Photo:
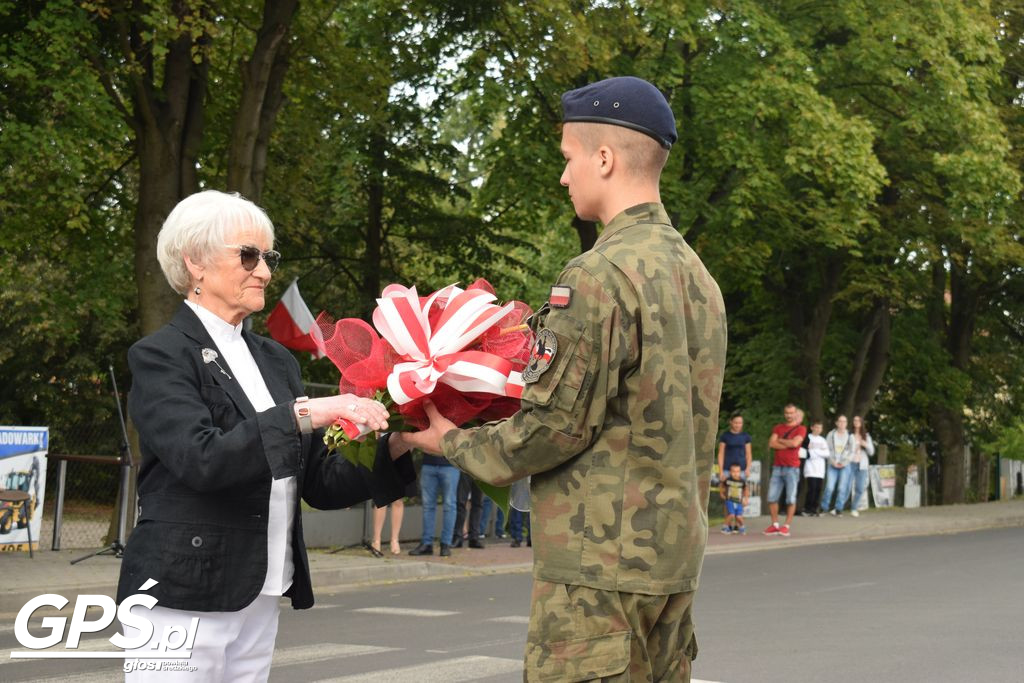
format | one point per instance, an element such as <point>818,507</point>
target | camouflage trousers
<point>583,634</point>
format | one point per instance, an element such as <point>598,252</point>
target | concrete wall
<point>334,528</point>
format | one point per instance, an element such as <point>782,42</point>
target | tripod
<point>116,548</point>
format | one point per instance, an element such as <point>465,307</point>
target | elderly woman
<point>229,445</point>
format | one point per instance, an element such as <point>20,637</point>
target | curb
<point>951,527</point>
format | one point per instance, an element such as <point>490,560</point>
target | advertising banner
<point>883,485</point>
<point>22,485</point>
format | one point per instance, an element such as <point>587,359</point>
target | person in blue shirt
<point>734,448</point>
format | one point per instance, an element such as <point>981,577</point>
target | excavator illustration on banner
<point>20,514</point>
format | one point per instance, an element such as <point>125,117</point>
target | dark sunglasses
<point>251,256</point>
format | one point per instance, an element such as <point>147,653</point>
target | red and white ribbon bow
<point>439,355</point>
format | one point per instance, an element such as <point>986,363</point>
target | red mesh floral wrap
<point>455,347</point>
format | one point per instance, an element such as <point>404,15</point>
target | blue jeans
<point>517,521</point>
<point>838,477</point>
<point>499,517</point>
<point>783,476</point>
<point>435,478</point>
<point>860,480</point>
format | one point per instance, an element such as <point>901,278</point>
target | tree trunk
<point>980,471</point>
<point>808,324</point>
<point>168,122</point>
<point>869,363</point>
<point>947,419</point>
<point>949,431</point>
<point>374,237</point>
<point>261,98</point>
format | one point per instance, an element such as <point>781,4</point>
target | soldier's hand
<point>429,440</point>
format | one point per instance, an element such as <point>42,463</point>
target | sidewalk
<point>51,572</point>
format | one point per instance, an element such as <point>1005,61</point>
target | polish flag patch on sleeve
<point>560,297</point>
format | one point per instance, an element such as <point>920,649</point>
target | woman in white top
<point>840,449</point>
<point>863,449</point>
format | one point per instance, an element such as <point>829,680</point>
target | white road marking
<point>449,670</point>
<point>322,652</point>
<point>512,619</point>
<point>405,612</point>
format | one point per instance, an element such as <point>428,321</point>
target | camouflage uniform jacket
<point>619,430</point>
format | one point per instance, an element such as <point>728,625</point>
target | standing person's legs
<point>250,654</point>
<point>485,516</point>
<point>860,480</point>
<point>476,507</point>
<point>431,482</point>
<point>830,487</point>
<point>775,485</point>
<point>843,487</point>
<point>462,495</point>
<point>450,476</point>
<point>578,633</point>
<point>397,513</point>
<point>379,514</point>
<point>229,646</point>
<point>791,475</point>
<point>515,526</point>
<point>813,495</point>
<point>499,522</point>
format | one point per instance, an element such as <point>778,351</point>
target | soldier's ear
<point>606,160</point>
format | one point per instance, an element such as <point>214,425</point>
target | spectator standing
<point>840,453</point>
<point>485,518</point>
<point>437,476</point>
<point>518,523</point>
<point>785,441</point>
<point>736,494</point>
<point>397,512</point>
<point>814,469</point>
<point>468,491</point>
<point>863,450</point>
<point>734,448</point>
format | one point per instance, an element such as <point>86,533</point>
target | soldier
<point>619,413</point>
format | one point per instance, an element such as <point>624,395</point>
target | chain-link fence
<point>91,457</point>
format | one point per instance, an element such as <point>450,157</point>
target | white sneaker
<point>854,513</point>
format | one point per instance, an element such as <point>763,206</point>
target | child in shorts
<point>735,493</point>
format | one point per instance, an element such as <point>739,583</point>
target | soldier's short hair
<point>641,154</point>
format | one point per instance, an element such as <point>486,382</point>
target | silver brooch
<point>210,356</point>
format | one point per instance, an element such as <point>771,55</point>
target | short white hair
<point>198,226</point>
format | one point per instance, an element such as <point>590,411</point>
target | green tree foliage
<point>848,170</point>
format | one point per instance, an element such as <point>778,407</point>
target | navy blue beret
<point>623,101</point>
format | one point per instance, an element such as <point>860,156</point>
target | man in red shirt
<point>785,441</point>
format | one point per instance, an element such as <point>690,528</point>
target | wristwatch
<point>302,411</point>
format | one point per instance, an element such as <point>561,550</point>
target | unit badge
<point>543,353</point>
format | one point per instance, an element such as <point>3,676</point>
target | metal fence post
<point>58,514</point>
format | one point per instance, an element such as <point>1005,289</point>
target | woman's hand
<point>363,411</point>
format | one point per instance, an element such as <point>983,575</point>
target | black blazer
<point>208,459</point>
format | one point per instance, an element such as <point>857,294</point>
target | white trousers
<point>228,646</point>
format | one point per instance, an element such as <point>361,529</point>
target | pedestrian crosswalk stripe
<point>97,677</point>
<point>512,619</point>
<point>85,645</point>
<point>470,668</point>
<point>405,612</point>
<point>322,652</point>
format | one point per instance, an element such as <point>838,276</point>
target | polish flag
<point>293,325</point>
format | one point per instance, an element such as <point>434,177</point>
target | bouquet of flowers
<point>456,348</point>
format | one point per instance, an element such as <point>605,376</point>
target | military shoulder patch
<point>560,297</point>
<point>543,353</point>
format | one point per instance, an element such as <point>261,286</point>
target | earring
<point>196,290</point>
